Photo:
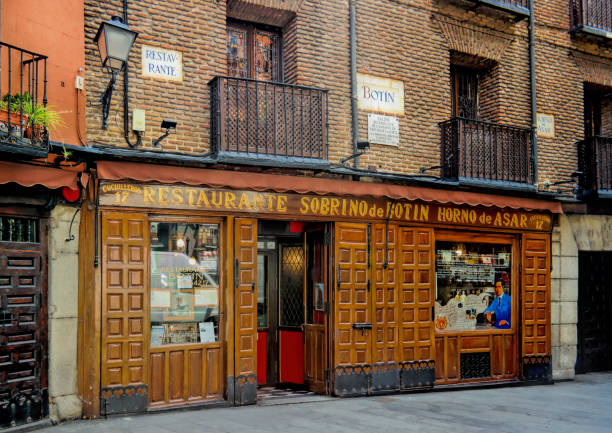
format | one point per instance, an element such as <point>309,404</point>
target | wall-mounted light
<point>168,125</point>
<point>114,40</point>
<point>362,146</point>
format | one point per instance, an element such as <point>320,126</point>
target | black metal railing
<point>484,151</point>
<point>596,14</point>
<point>259,118</point>
<point>595,163</point>
<point>23,97</point>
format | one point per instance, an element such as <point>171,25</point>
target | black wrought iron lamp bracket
<point>106,97</point>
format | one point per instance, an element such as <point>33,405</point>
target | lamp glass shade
<point>114,39</point>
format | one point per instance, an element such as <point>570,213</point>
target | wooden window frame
<point>250,29</point>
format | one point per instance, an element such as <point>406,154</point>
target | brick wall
<point>398,39</point>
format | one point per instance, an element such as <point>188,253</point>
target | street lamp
<point>114,40</point>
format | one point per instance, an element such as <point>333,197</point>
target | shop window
<point>253,51</point>
<point>473,286</point>
<point>184,283</point>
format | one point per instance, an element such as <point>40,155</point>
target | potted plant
<point>40,117</point>
<point>16,113</point>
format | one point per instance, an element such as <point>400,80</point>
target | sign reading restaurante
<point>308,205</point>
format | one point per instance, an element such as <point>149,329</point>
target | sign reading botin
<point>381,95</point>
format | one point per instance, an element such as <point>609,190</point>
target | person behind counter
<point>501,306</point>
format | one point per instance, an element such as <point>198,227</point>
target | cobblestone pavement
<point>583,405</point>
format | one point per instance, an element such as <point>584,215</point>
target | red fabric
<point>292,357</point>
<point>109,170</point>
<point>262,357</point>
<point>30,175</point>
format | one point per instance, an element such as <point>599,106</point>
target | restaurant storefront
<point>209,282</point>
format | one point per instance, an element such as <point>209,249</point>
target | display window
<point>473,286</point>
<point>184,283</point>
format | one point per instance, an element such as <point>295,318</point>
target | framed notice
<point>160,298</point>
<point>206,297</point>
<point>182,307</point>
<point>157,335</point>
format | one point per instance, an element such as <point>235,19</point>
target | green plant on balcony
<point>36,116</point>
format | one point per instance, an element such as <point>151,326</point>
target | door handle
<point>362,326</point>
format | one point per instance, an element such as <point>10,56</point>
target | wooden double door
<point>292,310</point>
<point>383,296</point>
<point>23,320</point>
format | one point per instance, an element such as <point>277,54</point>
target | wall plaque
<point>383,129</point>
<point>546,125</point>
<point>162,64</point>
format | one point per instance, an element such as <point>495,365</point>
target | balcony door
<point>253,51</point>
<point>464,92</point>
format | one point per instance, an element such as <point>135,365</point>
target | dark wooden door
<point>594,311</point>
<point>317,312</point>
<point>23,320</point>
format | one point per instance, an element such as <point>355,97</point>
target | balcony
<point>591,18</point>
<point>595,162</point>
<point>486,154</point>
<point>266,123</point>
<point>23,90</point>
<point>518,9</point>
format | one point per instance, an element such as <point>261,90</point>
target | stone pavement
<point>584,405</point>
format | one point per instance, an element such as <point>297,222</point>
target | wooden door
<point>535,311</point>
<point>23,320</point>
<point>352,309</point>
<point>384,296</point>
<point>594,308</point>
<point>125,306</point>
<point>316,312</point>
<point>416,288</point>
<point>245,292</point>
<point>416,294</point>
<point>352,306</point>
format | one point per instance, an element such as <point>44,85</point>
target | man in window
<point>501,306</point>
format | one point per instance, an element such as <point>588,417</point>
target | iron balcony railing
<point>258,118</point>
<point>474,150</point>
<point>595,163</point>
<point>23,98</point>
<point>591,15</point>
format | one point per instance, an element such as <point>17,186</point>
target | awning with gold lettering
<point>109,170</point>
<point>30,175</point>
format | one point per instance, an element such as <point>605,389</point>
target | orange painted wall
<point>55,29</point>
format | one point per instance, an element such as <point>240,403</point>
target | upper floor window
<point>253,51</point>
<point>464,92</point>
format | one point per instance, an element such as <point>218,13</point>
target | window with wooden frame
<point>464,86</point>
<point>253,51</point>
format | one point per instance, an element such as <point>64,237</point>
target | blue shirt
<point>502,307</point>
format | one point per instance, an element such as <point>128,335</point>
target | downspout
<point>534,106</point>
<point>353,49</point>
<point>126,118</point>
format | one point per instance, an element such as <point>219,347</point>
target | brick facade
<point>403,40</point>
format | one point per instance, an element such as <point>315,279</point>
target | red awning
<point>30,175</point>
<point>280,183</point>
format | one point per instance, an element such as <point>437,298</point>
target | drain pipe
<point>126,114</point>
<point>353,49</point>
<point>534,106</point>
